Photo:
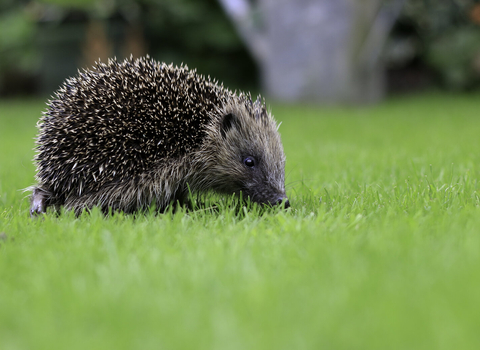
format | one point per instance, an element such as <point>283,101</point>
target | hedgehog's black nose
<point>285,202</point>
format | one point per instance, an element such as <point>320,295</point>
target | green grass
<point>381,249</point>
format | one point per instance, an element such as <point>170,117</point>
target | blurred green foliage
<point>449,36</point>
<point>199,34</point>
<point>456,55</point>
<point>15,38</point>
<point>17,54</point>
<point>194,32</point>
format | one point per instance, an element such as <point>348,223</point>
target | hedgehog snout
<point>267,189</point>
<point>265,195</point>
<point>284,201</point>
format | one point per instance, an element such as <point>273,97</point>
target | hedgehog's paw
<point>37,202</point>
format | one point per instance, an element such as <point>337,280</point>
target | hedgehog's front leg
<point>37,202</point>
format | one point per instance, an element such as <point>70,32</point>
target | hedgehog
<point>129,135</point>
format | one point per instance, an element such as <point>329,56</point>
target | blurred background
<point>320,51</point>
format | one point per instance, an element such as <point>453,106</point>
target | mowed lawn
<point>380,250</point>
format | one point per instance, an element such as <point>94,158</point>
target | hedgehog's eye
<point>249,161</point>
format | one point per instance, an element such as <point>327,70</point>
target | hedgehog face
<point>247,154</point>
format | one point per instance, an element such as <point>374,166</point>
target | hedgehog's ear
<point>229,120</point>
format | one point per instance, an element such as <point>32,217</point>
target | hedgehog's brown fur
<point>131,134</point>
